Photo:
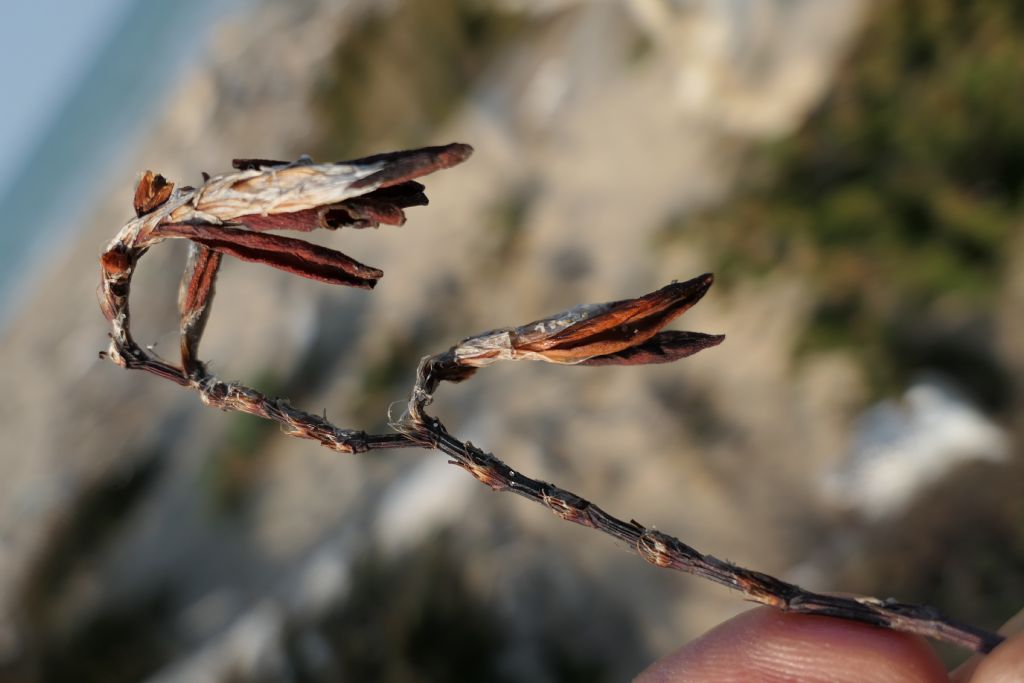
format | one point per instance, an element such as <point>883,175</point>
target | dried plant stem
<point>623,332</point>
<point>421,430</point>
<point>663,550</point>
<point>234,396</point>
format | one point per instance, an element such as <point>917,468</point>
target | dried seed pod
<point>194,298</point>
<point>284,253</point>
<point>264,187</point>
<point>663,347</point>
<point>620,332</point>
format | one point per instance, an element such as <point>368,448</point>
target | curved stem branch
<point>663,550</point>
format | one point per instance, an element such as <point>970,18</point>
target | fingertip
<point>1005,664</point>
<point>768,645</point>
<point>1014,631</point>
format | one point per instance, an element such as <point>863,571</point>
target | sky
<point>84,77</point>
<point>46,46</point>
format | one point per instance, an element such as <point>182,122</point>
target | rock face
<point>210,546</point>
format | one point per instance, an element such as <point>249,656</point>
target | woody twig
<point>233,213</point>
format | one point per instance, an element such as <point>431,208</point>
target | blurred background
<point>852,171</point>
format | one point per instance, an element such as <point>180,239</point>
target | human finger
<point>1008,658</point>
<point>767,645</point>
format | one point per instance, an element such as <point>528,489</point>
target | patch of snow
<point>902,447</point>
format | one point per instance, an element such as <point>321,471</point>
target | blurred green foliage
<point>235,465</point>
<point>506,222</point>
<point>900,191</point>
<point>385,376</point>
<point>402,70</point>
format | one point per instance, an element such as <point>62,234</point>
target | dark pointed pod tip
<point>400,167</point>
<point>664,347</point>
<point>690,291</point>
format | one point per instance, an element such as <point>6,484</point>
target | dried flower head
<point>231,213</point>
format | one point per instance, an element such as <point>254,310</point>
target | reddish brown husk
<point>663,347</point>
<point>194,298</point>
<point>383,205</point>
<point>115,260</point>
<point>625,325</point>
<point>306,220</point>
<point>411,164</point>
<point>366,212</point>
<point>284,253</point>
<point>152,191</point>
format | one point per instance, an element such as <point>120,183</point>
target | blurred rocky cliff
<point>143,536</point>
